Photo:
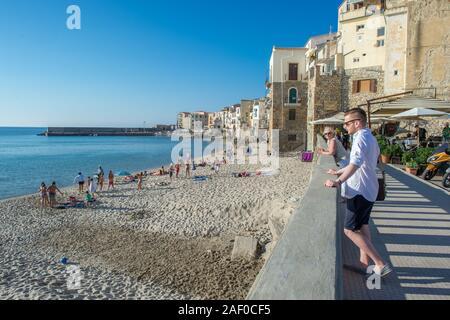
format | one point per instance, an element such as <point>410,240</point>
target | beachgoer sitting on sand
<point>162,171</point>
<point>89,198</point>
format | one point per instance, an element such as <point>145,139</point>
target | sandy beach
<point>169,241</point>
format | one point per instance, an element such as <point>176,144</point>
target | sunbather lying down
<point>242,174</point>
<point>162,184</point>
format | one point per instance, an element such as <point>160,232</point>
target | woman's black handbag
<point>382,188</point>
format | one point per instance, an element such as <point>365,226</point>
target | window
<point>381,31</point>
<point>360,38</point>
<point>395,72</point>
<point>360,27</point>
<point>355,60</point>
<point>360,86</point>
<point>293,71</point>
<point>292,114</point>
<point>380,43</point>
<point>292,137</point>
<point>292,95</point>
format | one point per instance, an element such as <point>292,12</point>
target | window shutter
<point>373,85</point>
<point>355,87</point>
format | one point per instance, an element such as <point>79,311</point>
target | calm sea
<point>27,159</point>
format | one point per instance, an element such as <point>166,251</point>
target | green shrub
<point>391,150</point>
<point>422,155</point>
<point>407,157</point>
<point>396,150</point>
<point>412,164</point>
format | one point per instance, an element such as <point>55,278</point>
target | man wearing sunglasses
<point>359,184</point>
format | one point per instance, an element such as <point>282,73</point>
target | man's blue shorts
<point>358,213</point>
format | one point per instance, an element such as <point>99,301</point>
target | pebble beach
<point>171,240</point>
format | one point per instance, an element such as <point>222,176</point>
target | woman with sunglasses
<point>335,148</point>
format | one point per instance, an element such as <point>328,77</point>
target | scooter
<point>438,161</point>
<point>446,179</point>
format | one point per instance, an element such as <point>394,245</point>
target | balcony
<point>349,15</point>
<point>359,13</point>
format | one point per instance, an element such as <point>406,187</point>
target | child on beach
<point>89,199</point>
<point>110,180</point>
<point>52,194</point>
<point>43,194</point>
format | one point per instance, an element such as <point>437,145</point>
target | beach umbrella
<point>123,173</point>
<point>418,113</point>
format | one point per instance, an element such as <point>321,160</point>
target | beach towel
<point>200,178</point>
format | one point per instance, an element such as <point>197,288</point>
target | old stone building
<point>418,47</point>
<point>287,96</point>
<point>361,50</point>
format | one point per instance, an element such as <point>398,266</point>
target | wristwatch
<point>339,181</point>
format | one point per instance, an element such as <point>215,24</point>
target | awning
<point>336,119</point>
<point>407,103</point>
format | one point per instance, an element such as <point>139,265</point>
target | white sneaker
<point>387,269</point>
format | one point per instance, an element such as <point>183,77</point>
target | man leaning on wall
<point>359,186</point>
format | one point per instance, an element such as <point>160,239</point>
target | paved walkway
<point>411,229</point>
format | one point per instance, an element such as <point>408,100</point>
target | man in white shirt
<point>79,179</point>
<point>360,187</point>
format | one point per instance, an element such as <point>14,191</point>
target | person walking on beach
<point>177,170</point>
<point>110,179</point>
<point>101,181</point>
<point>140,178</point>
<point>100,171</point>
<point>360,187</point>
<point>80,180</point>
<point>188,169</point>
<point>43,195</point>
<point>92,186</point>
<point>52,194</point>
<point>171,170</point>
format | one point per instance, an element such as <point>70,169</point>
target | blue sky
<point>136,60</point>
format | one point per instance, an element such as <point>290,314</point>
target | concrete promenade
<point>411,229</point>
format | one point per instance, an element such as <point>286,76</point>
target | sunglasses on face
<point>346,124</point>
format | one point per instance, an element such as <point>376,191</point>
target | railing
<point>306,263</point>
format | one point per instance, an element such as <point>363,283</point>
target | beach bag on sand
<point>307,156</point>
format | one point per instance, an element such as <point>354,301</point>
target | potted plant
<point>411,167</point>
<point>386,153</point>
<point>422,155</point>
<point>407,157</point>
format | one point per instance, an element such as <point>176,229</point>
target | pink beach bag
<point>307,156</point>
